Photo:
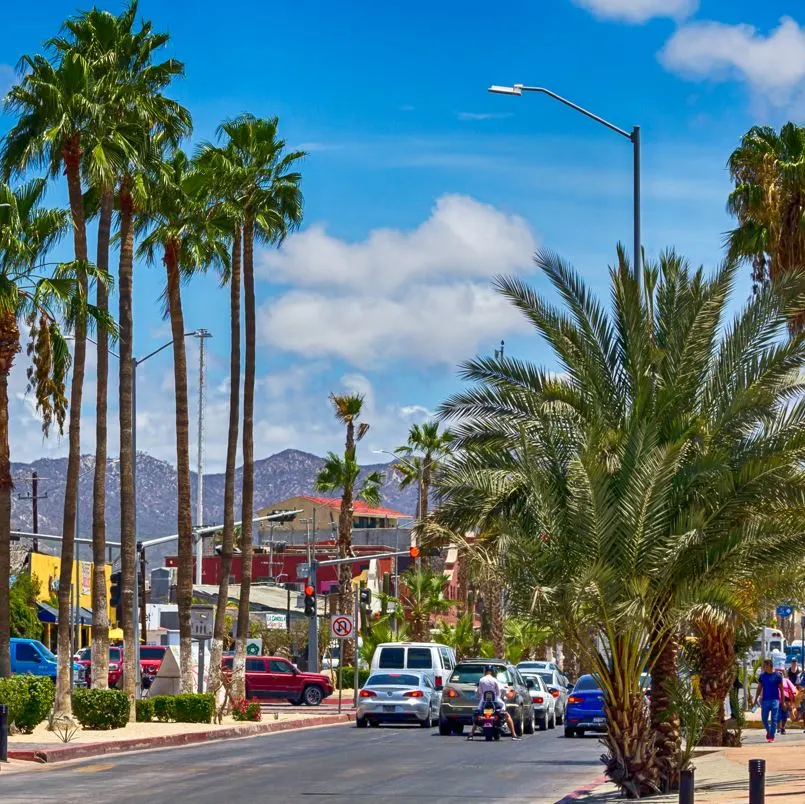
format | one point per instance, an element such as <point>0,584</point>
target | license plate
<point>599,720</point>
<point>389,708</point>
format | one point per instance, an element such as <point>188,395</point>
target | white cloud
<point>773,64</point>
<point>483,115</point>
<point>639,10</point>
<point>461,238</point>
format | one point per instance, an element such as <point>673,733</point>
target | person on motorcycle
<point>490,687</point>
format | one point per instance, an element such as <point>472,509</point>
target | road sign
<point>202,619</point>
<point>302,571</point>
<point>254,647</point>
<point>276,622</point>
<point>784,611</point>
<point>341,626</point>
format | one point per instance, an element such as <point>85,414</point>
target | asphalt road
<point>334,764</point>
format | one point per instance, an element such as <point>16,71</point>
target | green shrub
<point>101,709</point>
<point>349,677</point>
<point>192,707</point>
<point>164,707</point>
<point>29,700</point>
<point>145,710</point>
<point>245,711</point>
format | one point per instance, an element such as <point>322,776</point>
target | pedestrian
<point>768,693</point>
<point>788,694</point>
<point>794,673</point>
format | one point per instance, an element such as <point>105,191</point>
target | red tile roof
<point>360,507</point>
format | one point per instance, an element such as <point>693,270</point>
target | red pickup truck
<point>84,658</point>
<point>276,678</point>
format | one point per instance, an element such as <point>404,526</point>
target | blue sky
<point>420,186</point>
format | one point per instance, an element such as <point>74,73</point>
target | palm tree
<point>647,473</point>
<point>185,233</point>
<point>262,181</point>
<point>428,446</point>
<point>422,596</point>
<point>768,169</point>
<point>27,232</point>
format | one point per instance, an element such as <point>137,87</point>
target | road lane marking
<point>98,767</point>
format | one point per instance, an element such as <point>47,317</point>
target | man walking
<point>769,690</point>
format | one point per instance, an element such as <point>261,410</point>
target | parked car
<point>32,657</point>
<point>543,702</point>
<point>460,696</point>
<point>151,657</point>
<point>389,697</point>
<point>435,660</point>
<point>276,678</point>
<point>556,684</point>
<point>585,708</point>
<point>535,665</point>
<point>115,666</point>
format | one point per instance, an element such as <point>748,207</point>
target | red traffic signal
<point>413,552</point>
<point>309,590</point>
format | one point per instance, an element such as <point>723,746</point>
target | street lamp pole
<point>633,137</point>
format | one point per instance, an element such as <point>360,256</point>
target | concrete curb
<point>84,750</point>
<point>582,791</point>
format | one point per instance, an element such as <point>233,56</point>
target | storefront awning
<point>50,614</point>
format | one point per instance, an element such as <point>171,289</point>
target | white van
<point>434,660</point>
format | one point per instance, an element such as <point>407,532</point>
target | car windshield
<point>151,654</point>
<point>471,674</point>
<point>46,652</point>
<point>85,654</point>
<point>547,676</point>
<point>392,680</point>
<point>586,683</point>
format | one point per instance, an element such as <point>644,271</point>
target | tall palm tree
<point>263,182</point>
<point>27,232</point>
<point>647,473</point>
<point>182,231</point>
<point>422,596</point>
<point>768,170</point>
<point>428,445</point>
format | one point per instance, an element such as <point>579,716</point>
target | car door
<point>28,659</point>
<point>256,676</point>
<point>281,678</point>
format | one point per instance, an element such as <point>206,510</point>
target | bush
<point>29,700</point>
<point>145,710</point>
<point>192,707</point>
<point>245,711</point>
<point>349,677</point>
<point>101,709</point>
<point>164,707</point>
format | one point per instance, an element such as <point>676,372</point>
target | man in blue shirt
<point>768,693</point>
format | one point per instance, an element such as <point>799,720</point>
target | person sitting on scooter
<point>489,684</point>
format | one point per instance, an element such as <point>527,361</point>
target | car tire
<point>313,695</point>
<point>427,722</point>
<point>458,729</point>
<point>518,724</point>
<point>569,732</point>
<point>375,723</point>
<point>580,732</point>
<point>445,727</point>
<point>361,722</point>
<point>543,723</point>
<point>530,724</point>
<point>552,721</point>
<point>560,719</point>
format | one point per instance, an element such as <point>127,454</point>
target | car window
<point>446,660</point>
<point>152,654</point>
<point>114,654</point>
<point>255,666</point>
<point>27,652</point>
<point>228,661</point>
<point>278,666</point>
<point>586,683</point>
<point>420,658</point>
<point>547,676</point>
<point>471,674</point>
<point>427,682</point>
<point>391,658</point>
<point>392,680</point>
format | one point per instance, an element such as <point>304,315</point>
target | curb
<point>581,791</point>
<point>84,750</point>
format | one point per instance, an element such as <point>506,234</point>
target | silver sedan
<point>544,703</point>
<point>403,697</point>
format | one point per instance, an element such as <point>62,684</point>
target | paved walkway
<point>722,776</point>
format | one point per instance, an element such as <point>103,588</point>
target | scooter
<point>490,720</point>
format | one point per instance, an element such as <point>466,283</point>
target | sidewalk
<point>722,775</point>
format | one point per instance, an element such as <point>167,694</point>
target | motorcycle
<point>490,721</point>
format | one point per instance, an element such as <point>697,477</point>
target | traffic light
<point>114,594</point>
<point>366,597</point>
<point>310,601</point>
<point>413,552</point>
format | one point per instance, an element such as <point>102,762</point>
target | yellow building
<point>46,569</point>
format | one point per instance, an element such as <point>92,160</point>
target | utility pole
<point>34,497</point>
<point>202,335</point>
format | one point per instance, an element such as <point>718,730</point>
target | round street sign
<point>341,626</point>
<point>784,611</point>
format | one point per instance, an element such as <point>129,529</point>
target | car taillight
<point>368,694</point>
<point>575,699</point>
<point>437,682</point>
<point>537,699</point>
<point>555,693</point>
<point>510,695</point>
<point>451,693</point>
<point>414,694</point>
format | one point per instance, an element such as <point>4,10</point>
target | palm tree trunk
<point>127,457</point>
<point>345,600</point>
<point>664,667</point>
<point>228,539</point>
<point>100,614</point>
<point>496,611</point>
<point>184,523</point>
<point>9,346</point>
<point>63,703</point>
<point>717,675</point>
<point>247,500</point>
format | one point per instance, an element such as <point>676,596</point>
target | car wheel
<point>445,728</point>
<point>361,722</point>
<point>312,696</point>
<point>529,724</point>
<point>569,732</point>
<point>458,728</point>
<point>552,721</point>
<point>543,722</point>
<point>580,732</point>
<point>427,722</point>
<point>518,724</point>
<point>374,722</point>
<point>560,719</point>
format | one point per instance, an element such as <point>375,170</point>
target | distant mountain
<point>286,474</point>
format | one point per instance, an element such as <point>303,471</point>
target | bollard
<point>686,786</point>
<point>3,732</point>
<point>757,781</point>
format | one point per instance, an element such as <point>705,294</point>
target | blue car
<point>585,708</point>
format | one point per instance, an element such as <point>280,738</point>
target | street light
<point>633,137</point>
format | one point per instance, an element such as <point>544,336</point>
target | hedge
<point>145,710</point>
<point>164,709</point>
<point>189,707</point>
<point>29,699</point>
<point>349,677</point>
<point>101,709</point>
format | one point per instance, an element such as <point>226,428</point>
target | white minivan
<point>434,660</point>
